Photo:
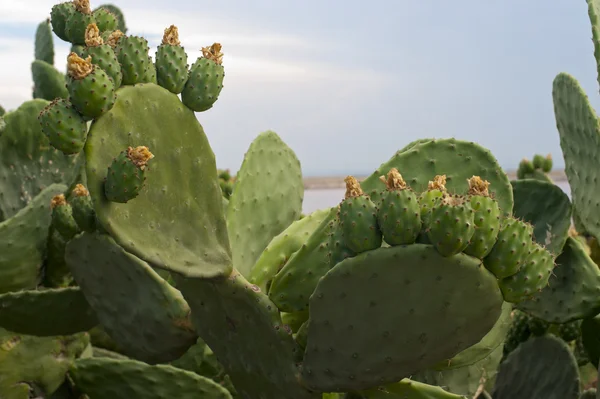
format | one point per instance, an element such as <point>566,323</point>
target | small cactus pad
<point>532,277</point>
<point>577,125</point>
<point>126,175</point>
<point>58,17</point>
<point>451,225</point>
<point>126,379</point>
<point>64,126</point>
<point>27,362</point>
<point>457,160</point>
<point>46,312</point>
<point>62,217</point>
<point>541,368</point>
<point>240,314</point>
<point>188,234</point>
<point>171,62</point>
<point>283,246</point>
<point>573,291</point>
<point>465,380</point>
<point>296,281</point>
<point>48,82</point>
<point>44,46</point>
<point>132,53</point>
<point>358,219</point>
<point>106,20</point>
<point>205,80</point>
<point>147,317</point>
<point>547,207</point>
<point>408,389</point>
<point>486,218</point>
<point>91,90</point>
<point>508,254</point>
<point>102,55</point>
<point>267,199</point>
<point>83,209</point>
<point>118,14</point>
<point>22,242</point>
<point>366,347</point>
<point>398,211</point>
<point>78,21</point>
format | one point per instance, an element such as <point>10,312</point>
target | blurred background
<point>347,83</point>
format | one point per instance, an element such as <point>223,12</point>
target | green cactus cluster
<point>131,267</point>
<point>539,168</point>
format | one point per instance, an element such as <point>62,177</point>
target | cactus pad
<point>188,234</point>
<point>577,125</point>
<point>44,46</point>
<point>33,366</point>
<point>105,19</point>
<point>547,208</point>
<point>118,14</point>
<point>283,246</point>
<point>451,225</point>
<point>48,312</point>
<point>240,314</point>
<point>573,291</point>
<point>541,368</point>
<point>64,126</point>
<point>457,160</point>
<point>48,82</point>
<point>366,347</point>
<point>59,15</point>
<point>78,21</point>
<point>590,335</point>
<point>132,53</point>
<point>267,199</point>
<point>147,317</point>
<point>407,389</point>
<point>127,379</point>
<point>514,240</point>
<point>22,242</point>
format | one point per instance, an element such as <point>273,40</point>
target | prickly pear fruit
<point>62,217</point>
<point>398,211</point>
<point>533,275</point>
<point>518,333</point>
<point>487,218</point>
<point>205,80</point>
<point>132,53</point>
<point>436,190</point>
<point>91,91</point>
<point>64,126</point>
<point>171,62</point>
<point>547,165</point>
<point>451,225</point>
<point>538,327</point>
<point>102,54</point>
<point>569,331</point>
<point>58,17</point>
<point>358,219</point>
<point>125,176</point>
<point>336,246</point>
<point>525,168</point>
<point>513,244</point>
<point>105,19</point>
<point>78,21</point>
<point>83,209</point>
<point>150,72</point>
<point>112,38</point>
<point>538,161</point>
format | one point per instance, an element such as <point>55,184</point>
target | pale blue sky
<point>347,83</point>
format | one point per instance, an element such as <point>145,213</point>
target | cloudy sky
<point>346,83</point>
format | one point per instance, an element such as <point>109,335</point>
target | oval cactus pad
<point>176,222</point>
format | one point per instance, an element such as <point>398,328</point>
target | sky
<point>346,83</point>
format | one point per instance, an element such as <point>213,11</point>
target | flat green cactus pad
<point>408,389</point>
<point>242,326</point>
<point>488,344</point>
<point>465,380</point>
<point>187,233</point>
<point>409,308</point>
<point>573,291</point>
<point>282,247</point>
<point>590,335</point>
<point>146,317</point>
<point>579,131</point>
<point>62,311</point>
<point>547,208</point>
<point>541,368</point>
<point>34,365</point>
<point>458,160</point>
<point>23,242</point>
<point>267,199</point>
<point>126,379</point>
<point>28,164</point>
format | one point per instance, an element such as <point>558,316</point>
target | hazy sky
<point>347,83</point>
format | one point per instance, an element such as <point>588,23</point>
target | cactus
<point>171,62</point>
<point>48,83</point>
<point>91,90</point>
<point>62,217</point>
<point>77,22</point>
<point>486,218</point>
<point>117,13</point>
<point>64,126</point>
<point>102,54</point>
<point>536,170</point>
<point>451,225</point>
<point>205,80</point>
<point>126,175</point>
<point>44,45</point>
